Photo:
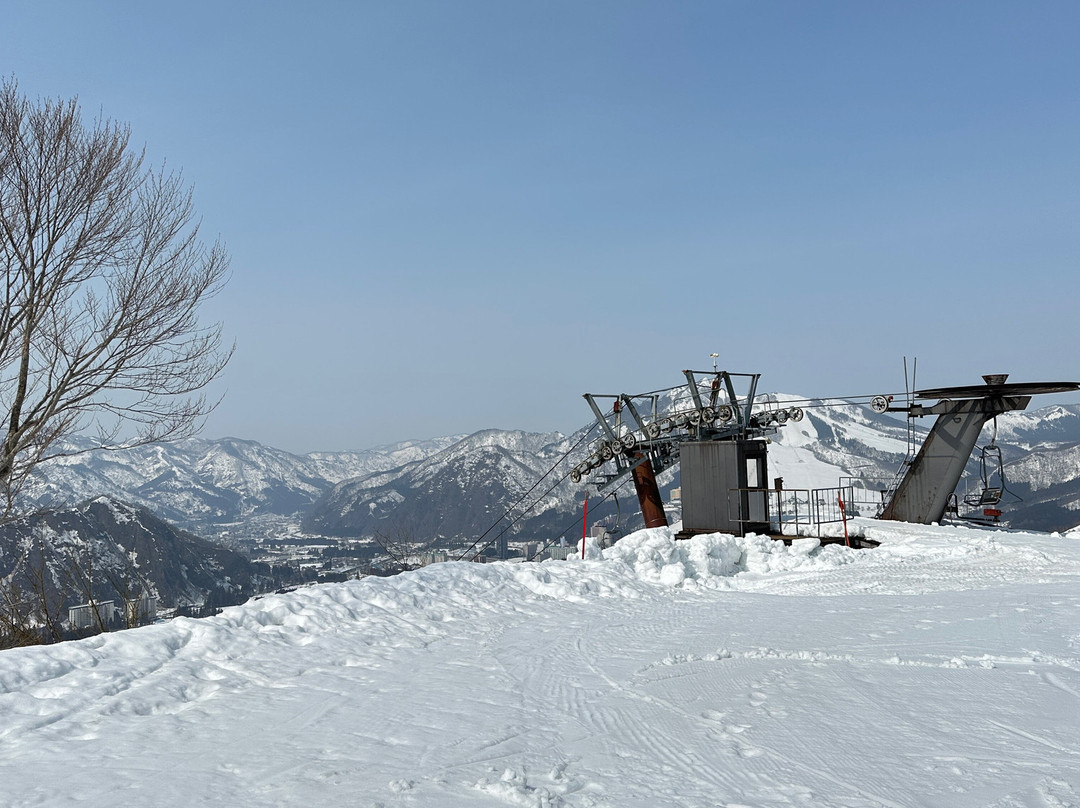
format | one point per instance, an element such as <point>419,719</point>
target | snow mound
<point>712,560</point>
<point>699,668</point>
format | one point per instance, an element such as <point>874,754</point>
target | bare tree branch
<point>402,548</point>
<point>103,275</point>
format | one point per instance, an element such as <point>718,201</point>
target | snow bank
<point>712,560</point>
<point>952,558</point>
<point>655,672</point>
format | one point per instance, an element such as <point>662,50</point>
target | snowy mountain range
<point>463,489</point>
<point>457,492</point>
<point>202,485</point>
<point>459,486</point>
<point>103,550</point>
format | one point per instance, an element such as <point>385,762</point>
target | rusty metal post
<point>648,494</point>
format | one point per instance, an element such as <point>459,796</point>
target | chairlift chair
<point>992,475</point>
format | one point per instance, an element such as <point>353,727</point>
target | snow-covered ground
<point>942,669</point>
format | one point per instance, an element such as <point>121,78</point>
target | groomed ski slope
<point>942,669</point>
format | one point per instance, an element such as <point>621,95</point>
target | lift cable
<point>808,401</point>
<point>828,401</point>
<point>574,522</point>
<point>520,516</point>
<point>509,510</point>
<point>816,402</point>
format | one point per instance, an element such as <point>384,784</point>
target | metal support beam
<point>714,391</point>
<point>600,417</point>
<point>750,400</point>
<point>923,494</point>
<point>691,384</point>
<point>629,404</point>
<point>648,494</point>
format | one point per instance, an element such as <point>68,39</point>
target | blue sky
<point>448,216</point>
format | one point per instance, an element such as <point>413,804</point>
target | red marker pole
<point>843,515</point>
<point>584,526</point>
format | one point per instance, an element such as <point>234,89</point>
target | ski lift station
<point>717,427</point>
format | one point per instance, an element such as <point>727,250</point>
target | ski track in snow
<point>942,669</point>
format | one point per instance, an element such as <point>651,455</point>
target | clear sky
<point>448,216</point>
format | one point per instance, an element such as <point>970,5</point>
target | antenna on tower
<point>714,356</point>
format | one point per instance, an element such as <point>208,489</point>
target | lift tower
<point>923,492</point>
<point>712,426</point>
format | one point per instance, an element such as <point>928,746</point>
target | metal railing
<point>803,511</point>
<point>869,495</point>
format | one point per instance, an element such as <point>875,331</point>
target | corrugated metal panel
<point>710,469</point>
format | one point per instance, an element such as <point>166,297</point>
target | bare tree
<point>133,590</point>
<point>402,548</point>
<point>17,625</point>
<point>49,609</point>
<point>103,275</point>
<point>85,578</point>
<point>31,607</point>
